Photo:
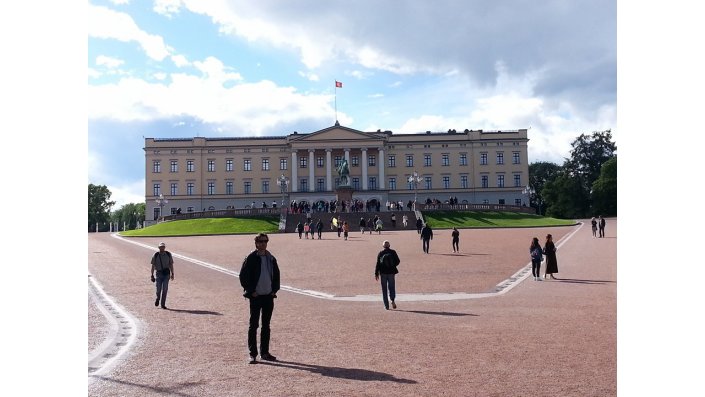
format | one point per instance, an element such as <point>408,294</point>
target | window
<point>500,180</point>
<point>320,184</point>
<point>283,164</point>
<point>156,213</point>
<point>173,188</point>
<point>229,188</point>
<point>426,160</point>
<point>156,189</point>
<point>248,187</point>
<point>372,160</point>
<point>174,166</point>
<point>515,158</point>
<point>211,188</point>
<point>409,160</point>
<point>483,158</point>
<point>445,160</point>
<point>517,202</point>
<point>392,183</point>
<point>189,189</point>
<point>211,165</point>
<point>304,185</point>
<point>190,167</point>
<point>156,166</point>
<point>485,182</point>
<point>517,180</point>
<point>247,166</point>
<point>319,162</point>
<point>265,164</point>
<point>392,161</point>
<point>500,202</point>
<point>464,181</point>
<point>372,183</point>
<point>500,157</point>
<point>446,182</point>
<point>303,162</point>
<point>427,182</point>
<point>189,209</point>
<point>463,159</point>
<point>265,186</point>
<point>356,183</point>
<point>355,161</point>
<point>337,161</point>
<point>229,165</point>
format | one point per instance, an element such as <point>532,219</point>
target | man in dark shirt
<point>426,237</point>
<point>386,268</point>
<point>163,265</point>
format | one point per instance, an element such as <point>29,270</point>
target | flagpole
<point>335,90</point>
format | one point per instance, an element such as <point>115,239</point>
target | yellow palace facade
<point>201,174</point>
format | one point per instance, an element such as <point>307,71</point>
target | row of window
<point>426,183</point>
<point>320,163</point>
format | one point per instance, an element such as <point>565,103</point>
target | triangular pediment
<point>336,134</point>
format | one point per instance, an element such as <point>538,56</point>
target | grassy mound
<point>208,226</point>
<point>450,219</point>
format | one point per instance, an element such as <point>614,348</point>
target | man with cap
<point>163,264</point>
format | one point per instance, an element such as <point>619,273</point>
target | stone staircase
<point>353,219</point>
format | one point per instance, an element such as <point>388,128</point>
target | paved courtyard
<point>467,324</point>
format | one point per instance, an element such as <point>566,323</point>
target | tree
<point>129,215</point>
<point>541,173</point>
<point>565,197</point>
<point>604,190</point>
<point>98,205</point>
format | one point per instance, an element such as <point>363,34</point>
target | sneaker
<point>394,305</point>
<point>267,357</point>
<point>156,302</point>
<point>253,360</point>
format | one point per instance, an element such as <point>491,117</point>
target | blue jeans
<point>162,281</point>
<point>388,284</point>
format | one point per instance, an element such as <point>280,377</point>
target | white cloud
<point>94,74</point>
<point>160,76</point>
<point>109,62</point>
<point>120,2</point>
<point>105,23</point>
<point>214,69</point>
<point>180,60</point>
<point>167,7</point>
<point>127,193</point>
<point>309,76</point>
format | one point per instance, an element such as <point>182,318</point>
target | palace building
<point>201,174</point>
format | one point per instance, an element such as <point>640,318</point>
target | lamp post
<point>283,183</point>
<point>528,190</point>
<point>160,202</point>
<point>415,179</point>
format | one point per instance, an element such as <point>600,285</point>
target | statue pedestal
<point>344,193</point>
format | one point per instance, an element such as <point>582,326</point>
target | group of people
<point>309,227</point>
<point>537,253</point>
<point>598,223</point>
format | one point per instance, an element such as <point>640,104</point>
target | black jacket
<point>250,271</point>
<point>380,268</point>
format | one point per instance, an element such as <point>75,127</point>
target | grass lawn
<point>208,226</point>
<point>450,219</point>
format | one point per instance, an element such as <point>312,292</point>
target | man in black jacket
<point>426,237</point>
<point>259,276</point>
<point>387,262</point>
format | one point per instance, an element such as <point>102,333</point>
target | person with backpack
<point>536,257</point>
<point>163,265</point>
<point>386,268</point>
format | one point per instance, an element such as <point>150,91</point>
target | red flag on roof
<point>338,84</point>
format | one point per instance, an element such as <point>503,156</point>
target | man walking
<point>602,226</point>
<point>163,265</point>
<point>386,268</point>
<point>259,276</point>
<point>426,237</point>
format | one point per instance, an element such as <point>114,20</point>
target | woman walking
<point>549,249</point>
<point>536,256</point>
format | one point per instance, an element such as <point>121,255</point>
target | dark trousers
<point>456,245</point>
<point>536,268</point>
<point>264,304</point>
<point>602,231</point>
<point>426,244</point>
<point>162,284</point>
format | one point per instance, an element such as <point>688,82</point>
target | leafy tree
<point>99,205</point>
<point>541,173</point>
<point>129,215</point>
<point>604,190</point>
<point>565,197</point>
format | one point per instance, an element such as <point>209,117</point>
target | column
<point>311,168</point>
<point>382,162</point>
<point>364,168</point>
<point>294,172</point>
<point>329,180</point>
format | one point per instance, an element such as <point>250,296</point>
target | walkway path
<point>536,338</point>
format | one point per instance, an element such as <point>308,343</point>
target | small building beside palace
<point>202,174</point>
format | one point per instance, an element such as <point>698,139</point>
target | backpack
<point>536,254</point>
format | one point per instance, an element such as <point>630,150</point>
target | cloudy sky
<point>181,68</point>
